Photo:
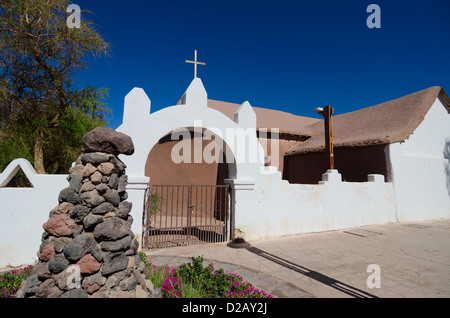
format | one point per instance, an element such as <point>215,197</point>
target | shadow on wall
<point>447,164</point>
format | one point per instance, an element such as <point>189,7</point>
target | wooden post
<point>327,113</point>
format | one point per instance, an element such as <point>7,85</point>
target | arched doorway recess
<point>187,201</point>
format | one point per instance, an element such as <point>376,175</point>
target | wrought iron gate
<point>179,215</point>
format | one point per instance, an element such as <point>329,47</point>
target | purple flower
<point>172,287</point>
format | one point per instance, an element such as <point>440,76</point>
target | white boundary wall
<point>272,207</point>
<point>23,211</point>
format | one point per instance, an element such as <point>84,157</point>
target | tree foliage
<point>43,114</point>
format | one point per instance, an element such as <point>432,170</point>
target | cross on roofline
<point>195,62</point>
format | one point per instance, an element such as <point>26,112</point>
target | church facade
<point>392,160</point>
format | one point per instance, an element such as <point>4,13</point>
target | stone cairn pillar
<point>88,248</point>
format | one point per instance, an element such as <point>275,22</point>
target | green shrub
<point>193,280</point>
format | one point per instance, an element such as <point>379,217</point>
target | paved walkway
<point>413,258</point>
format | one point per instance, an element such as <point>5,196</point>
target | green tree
<point>43,115</point>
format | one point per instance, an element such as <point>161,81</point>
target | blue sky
<point>287,55</point>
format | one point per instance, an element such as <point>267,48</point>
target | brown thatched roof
<point>287,124</point>
<point>384,123</point>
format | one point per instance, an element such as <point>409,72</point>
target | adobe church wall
<point>354,164</point>
<point>162,170</point>
<point>275,150</point>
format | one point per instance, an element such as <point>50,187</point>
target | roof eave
<point>444,99</point>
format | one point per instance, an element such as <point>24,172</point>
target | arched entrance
<point>148,131</point>
<point>185,169</point>
<point>187,201</point>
